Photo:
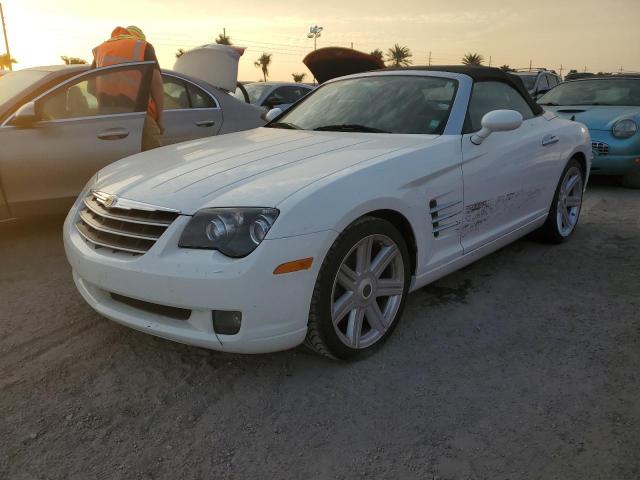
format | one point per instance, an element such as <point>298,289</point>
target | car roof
<point>606,77</point>
<point>479,74</point>
<point>58,68</point>
<point>278,84</point>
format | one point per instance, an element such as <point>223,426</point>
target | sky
<point>599,35</point>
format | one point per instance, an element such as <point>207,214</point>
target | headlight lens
<point>235,232</point>
<point>625,128</point>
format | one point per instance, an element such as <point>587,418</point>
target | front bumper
<point>614,164</point>
<point>620,159</point>
<point>274,308</point>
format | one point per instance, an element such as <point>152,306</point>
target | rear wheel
<point>360,291</point>
<point>567,203</point>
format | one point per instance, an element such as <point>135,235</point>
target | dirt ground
<point>524,365</point>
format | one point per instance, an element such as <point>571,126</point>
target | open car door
<point>333,62</point>
<point>75,130</point>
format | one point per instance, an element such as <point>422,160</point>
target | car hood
<point>259,167</point>
<point>595,117</point>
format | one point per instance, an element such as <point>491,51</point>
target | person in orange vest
<point>130,45</point>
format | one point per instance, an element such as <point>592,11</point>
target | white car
<point>316,227</point>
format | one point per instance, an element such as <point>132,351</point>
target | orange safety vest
<point>125,49</point>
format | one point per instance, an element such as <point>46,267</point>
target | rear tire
<point>361,290</point>
<point>566,206</point>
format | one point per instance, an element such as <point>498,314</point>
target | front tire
<point>361,290</point>
<point>567,203</point>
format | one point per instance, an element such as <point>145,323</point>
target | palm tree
<point>506,68</point>
<point>223,39</point>
<point>73,60</point>
<point>5,61</point>
<point>378,54</point>
<point>399,56</point>
<point>298,77</point>
<point>180,52</point>
<point>474,59</point>
<point>263,63</point>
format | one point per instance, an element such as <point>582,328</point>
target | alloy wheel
<point>569,201</point>
<point>367,291</point>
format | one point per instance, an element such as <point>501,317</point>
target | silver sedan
<point>54,134</point>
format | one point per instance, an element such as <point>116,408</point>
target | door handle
<point>113,134</point>
<point>206,123</point>
<point>549,140</point>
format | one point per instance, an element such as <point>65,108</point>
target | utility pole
<point>530,64</point>
<point>351,45</point>
<point>560,70</point>
<point>6,40</point>
<point>429,57</point>
<point>489,60</point>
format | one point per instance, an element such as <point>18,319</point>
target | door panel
<point>85,123</point>
<point>189,124</point>
<point>506,181</point>
<point>53,160</point>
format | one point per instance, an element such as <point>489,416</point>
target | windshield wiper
<point>551,104</point>
<point>350,127</point>
<point>291,126</point>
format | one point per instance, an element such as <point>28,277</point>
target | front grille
<point>133,231</point>
<point>600,147</point>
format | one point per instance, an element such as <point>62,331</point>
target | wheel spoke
<point>342,306</point>
<point>347,278</point>
<point>570,184</point>
<point>574,201</point>
<point>566,221</point>
<point>354,327</point>
<point>384,257</point>
<point>363,255</point>
<point>389,287</point>
<point>375,318</point>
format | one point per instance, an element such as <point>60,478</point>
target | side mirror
<point>497,121</point>
<point>273,113</point>
<point>26,115</point>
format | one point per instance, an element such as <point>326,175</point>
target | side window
<point>489,96</point>
<point>543,83</point>
<point>553,81</point>
<point>199,98</point>
<point>99,93</point>
<point>175,94</point>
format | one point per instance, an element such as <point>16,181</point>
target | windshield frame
<point>457,108</point>
<point>574,83</point>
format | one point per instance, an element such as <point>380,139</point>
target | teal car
<point>610,108</point>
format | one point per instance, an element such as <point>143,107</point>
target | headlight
<point>625,128</point>
<point>235,232</point>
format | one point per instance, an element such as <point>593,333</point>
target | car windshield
<point>384,104</point>
<point>614,91</point>
<point>14,83</point>
<point>529,81</point>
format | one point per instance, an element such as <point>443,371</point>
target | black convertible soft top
<point>484,74</point>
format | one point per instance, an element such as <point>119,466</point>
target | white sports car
<point>316,227</point>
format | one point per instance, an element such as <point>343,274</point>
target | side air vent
<point>444,216</point>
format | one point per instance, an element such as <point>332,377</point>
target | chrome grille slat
<point>132,231</point>
<point>95,207</point>
<point>600,147</point>
<point>86,218</point>
<point>85,232</point>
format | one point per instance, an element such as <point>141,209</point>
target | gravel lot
<point>523,365</point>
